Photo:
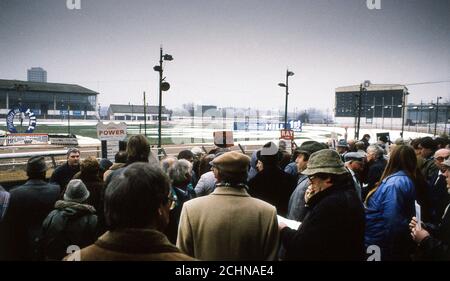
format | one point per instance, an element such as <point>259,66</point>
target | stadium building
<point>48,100</point>
<point>380,103</point>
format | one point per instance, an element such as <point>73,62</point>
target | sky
<point>229,52</point>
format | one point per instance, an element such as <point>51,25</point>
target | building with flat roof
<point>48,100</point>
<point>379,103</point>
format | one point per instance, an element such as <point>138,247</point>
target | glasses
<point>172,201</point>
<point>441,159</point>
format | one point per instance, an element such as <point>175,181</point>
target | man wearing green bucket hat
<point>333,229</point>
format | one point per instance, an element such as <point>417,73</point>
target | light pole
<point>163,86</point>
<point>145,116</point>
<point>288,73</point>
<point>362,87</point>
<point>68,117</point>
<point>437,114</point>
<point>405,93</point>
<point>429,117</point>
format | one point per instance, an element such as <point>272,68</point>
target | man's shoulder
<point>61,168</point>
<point>201,203</point>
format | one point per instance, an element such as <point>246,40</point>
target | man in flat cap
<point>334,226</point>
<point>342,148</point>
<point>229,224</point>
<point>29,205</point>
<point>354,162</point>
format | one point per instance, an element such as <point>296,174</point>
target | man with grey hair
<point>64,173</point>
<point>354,162</point>
<point>180,174</point>
<point>376,163</point>
<point>167,162</point>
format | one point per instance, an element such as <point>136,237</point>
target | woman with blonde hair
<point>390,205</point>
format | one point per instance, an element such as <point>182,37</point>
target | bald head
<point>439,157</point>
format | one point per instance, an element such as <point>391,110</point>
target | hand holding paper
<point>290,223</point>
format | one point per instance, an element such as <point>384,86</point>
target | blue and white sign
<point>295,125</point>
<point>22,112</point>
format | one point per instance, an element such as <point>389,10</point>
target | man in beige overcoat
<point>229,224</point>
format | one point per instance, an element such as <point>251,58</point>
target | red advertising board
<point>287,135</point>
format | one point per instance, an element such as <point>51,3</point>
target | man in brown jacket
<point>137,205</point>
<point>228,224</point>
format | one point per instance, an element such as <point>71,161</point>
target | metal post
<point>68,118</point>
<point>446,119</point>
<point>373,113</point>
<point>160,97</point>
<point>437,115</point>
<point>403,112</point>
<point>392,111</point>
<point>358,112</point>
<point>145,117</point>
<point>286,104</point>
<point>382,114</point>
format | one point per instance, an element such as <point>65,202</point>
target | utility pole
<point>68,118</point>
<point>437,114</point>
<point>145,116</point>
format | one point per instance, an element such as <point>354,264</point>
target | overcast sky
<point>229,52</point>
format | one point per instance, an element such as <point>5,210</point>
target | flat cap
<point>355,156</point>
<point>231,162</point>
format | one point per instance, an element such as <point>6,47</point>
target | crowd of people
<point>347,196</point>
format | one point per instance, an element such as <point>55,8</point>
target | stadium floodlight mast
<point>283,85</point>
<point>437,114</point>
<point>163,86</point>
<point>405,93</point>
<point>362,87</point>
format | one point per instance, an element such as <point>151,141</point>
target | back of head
<point>269,155</point>
<point>120,157</point>
<point>403,158</point>
<point>167,162</point>
<point>359,145</point>
<point>197,151</point>
<point>180,172</point>
<point>105,164</point>
<point>133,198</point>
<point>90,167</point>
<point>138,149</point>
<point>376,150</point>
<point>186,154</point>
<point>441,142</point>
<point>282,145</point>
<point>429,143</point>
<point>415,143</point>
<point>204,166</point>
<point>383,139</point>
<point>36,167</point>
